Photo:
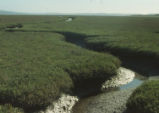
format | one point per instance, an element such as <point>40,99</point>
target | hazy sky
<point>82,6</point>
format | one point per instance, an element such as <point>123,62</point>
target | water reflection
<point>135,83</point>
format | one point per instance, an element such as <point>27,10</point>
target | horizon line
<point>78,13</point>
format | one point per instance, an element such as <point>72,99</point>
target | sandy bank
<point>63,105</point>
<point>123,76</point>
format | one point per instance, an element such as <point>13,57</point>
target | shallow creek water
<point>135,83</point>
<point>112,101</point>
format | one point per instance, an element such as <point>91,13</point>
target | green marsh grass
<point>36,67</point>
<point>145,99</point>
<point>37,64</point>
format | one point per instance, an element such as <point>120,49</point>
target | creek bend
<point>109,101</point>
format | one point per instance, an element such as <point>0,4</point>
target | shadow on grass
<point>145,66</point>
<point>76,38</point>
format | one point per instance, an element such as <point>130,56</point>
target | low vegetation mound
<point>37,67</point>
<point>127,45</point>
<point>145,99</point>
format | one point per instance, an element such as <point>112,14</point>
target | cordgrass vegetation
<point>130,37</point>
<point>36,67</point>
<point>38,64</point>
<point>145,99</point>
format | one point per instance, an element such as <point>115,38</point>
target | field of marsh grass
<point>38,62</point>
<point>145,99</point>
<point>36,67</point>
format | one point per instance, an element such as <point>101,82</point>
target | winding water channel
<point>112,101</point>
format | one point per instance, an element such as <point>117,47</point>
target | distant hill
<point>103,14</point>
<point>156,14</point>
<point>2,12</point>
